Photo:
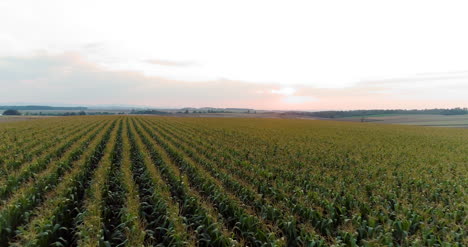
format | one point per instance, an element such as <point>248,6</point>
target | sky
<point>275,55</point>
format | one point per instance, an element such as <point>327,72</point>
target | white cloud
<point>284,91</point>
<point>72,79</point>
<point>331,44</point>
<point>264,54</point>
<point>294,100</point>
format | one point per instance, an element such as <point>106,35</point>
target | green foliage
<point>164,181</point>
<point>11,112</point>
<point>362,113</point>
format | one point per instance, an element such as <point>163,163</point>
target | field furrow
<point>208,232</point>
<point>90,232</point>
<point>28,145</point>
<point>29,171</point>
<point>296,234</point>
<point>20,207</point>
<point>42,152</point>
<point>54,223</point>
<point>132,180</point>
<point>247,226</point>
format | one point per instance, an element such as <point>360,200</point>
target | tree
<point>11,112</point>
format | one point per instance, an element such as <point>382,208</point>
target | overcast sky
<point>309,55</point>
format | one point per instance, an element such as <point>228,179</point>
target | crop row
<point>21,206</point>
<point>340,212</point>
<point>159,181</point>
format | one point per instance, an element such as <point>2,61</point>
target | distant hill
<point>42,108</point>
<point>364,113</point>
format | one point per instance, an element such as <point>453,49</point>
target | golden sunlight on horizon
<point>284,55</point>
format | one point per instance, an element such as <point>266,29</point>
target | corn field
<point>162,181</point>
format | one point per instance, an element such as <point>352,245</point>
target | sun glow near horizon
<point>258,54</point>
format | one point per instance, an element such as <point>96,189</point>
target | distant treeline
<point>42,108</point>
<point>363,113</point>
<point>195,111</point>
<point>152,112</point>
<point>185,111</point>
<point>80,113</point>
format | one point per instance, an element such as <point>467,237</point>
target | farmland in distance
<point>165,181</point>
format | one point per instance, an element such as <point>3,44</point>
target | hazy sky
<point>290,54</point>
